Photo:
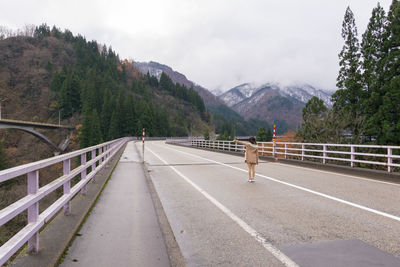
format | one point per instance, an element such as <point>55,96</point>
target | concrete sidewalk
<point>122,229</point>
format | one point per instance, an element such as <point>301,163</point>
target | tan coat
<point>251,154</point>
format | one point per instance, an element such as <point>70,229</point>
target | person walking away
<point>250,156</point>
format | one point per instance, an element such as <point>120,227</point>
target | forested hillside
<point>45,72</point>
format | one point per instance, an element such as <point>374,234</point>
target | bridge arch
<point>33,132</point>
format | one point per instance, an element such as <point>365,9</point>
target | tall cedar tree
<point>373,52</point>
<point>91,131</point>
<point>95,135</point>
<point>106,113</point>
<point>348,97</point>
<point>389,111</point>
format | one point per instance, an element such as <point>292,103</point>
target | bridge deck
<point>290,216</point>
<point>35,124</point>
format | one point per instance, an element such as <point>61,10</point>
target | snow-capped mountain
<point>303,93</point>
<point>271,101</point>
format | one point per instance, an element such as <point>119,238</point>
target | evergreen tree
<point>373,52</point>
<point>42,31</point>
<point>389,111</point>
<point>121,113</point>
<point>106,113</point>
<point>58,80</point>
<point>147,117</point>
<point>114,130</point>
<point>69,96</point>
<point>372,49</point>
<point>130,117</point>
<point>261,135</point>
<point>166,83</point>
<point>86,130</point>
<point>313,128</point>
<point>348,97</point>
<point>95,135</point>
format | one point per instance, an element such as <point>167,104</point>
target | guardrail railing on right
<point>354,155</point>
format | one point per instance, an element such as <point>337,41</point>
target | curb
<point>174,252</point>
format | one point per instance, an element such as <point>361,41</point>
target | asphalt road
<point>290,216</point>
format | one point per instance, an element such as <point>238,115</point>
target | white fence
<point>363,156</point>
<point>99,154</point>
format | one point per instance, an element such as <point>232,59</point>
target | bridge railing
<point>364,156</point>
<point>99,156</point>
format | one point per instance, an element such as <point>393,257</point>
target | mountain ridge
<point>301,92</point>
<point>267,102</point>
<point>155,69</point>
<point>271,102</point>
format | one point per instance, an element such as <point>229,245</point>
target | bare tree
<point>29,30</point>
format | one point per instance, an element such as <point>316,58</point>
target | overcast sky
<point>215,43</point>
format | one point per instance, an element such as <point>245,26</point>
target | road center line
<point>273,250</point>
<point>381,213</point>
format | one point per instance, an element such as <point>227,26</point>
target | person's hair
<point>252,140</point>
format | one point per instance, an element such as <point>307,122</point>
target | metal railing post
<point>324,154</point>
<point>302,152</point>
<point>390,160</point>
<point>83,173</point>
<point>33,210</point>
<point>273,150</point>
<point>93,154</point>
<point>101,152</point>
<point>285,151</point>
<point>352,156</point>
<point>67,185</point>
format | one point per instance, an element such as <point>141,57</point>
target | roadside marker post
<point>274,144</point>
<point>143,135</point>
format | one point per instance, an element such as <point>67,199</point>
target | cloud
<point>215,43</point>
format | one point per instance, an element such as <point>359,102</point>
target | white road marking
<point>340,174</point>
<point>273,250</point>
<point>384,214</point>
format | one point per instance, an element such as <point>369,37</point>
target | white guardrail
<point>100,155</point>
<point>360,155</point>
